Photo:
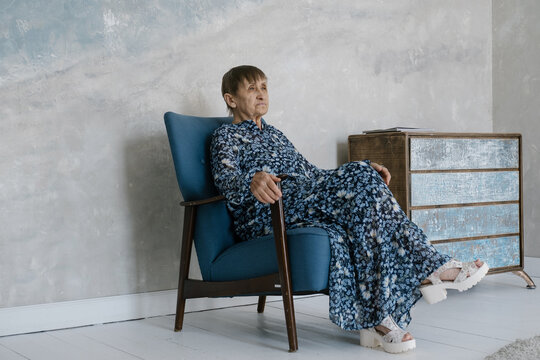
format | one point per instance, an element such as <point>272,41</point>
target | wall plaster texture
<point>88,198</point>
<point>516,97</point>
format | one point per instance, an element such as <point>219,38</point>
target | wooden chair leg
<point>260,305</point>
<point>288,306</point>
<point>280,237</point>
<point>185,257</point>
<point>180,308</point>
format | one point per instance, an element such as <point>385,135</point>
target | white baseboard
<point>68,314</point>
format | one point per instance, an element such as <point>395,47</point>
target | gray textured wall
<point>88,199</point>
<point>516,96</point>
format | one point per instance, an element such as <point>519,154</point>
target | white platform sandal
<point>392,342</point>
<point>469,276</point>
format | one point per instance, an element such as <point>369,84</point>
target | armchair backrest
<point>189,137</point>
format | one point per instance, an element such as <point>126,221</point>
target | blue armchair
<point>285,262</point>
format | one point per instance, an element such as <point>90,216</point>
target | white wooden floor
<point>469,325</point>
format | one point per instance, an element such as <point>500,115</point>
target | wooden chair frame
<point>268,284</point>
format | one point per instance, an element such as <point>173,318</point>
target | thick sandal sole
<point>372,340</point>
<point>435,293</point>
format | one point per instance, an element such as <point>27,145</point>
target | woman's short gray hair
<point>237,75</point>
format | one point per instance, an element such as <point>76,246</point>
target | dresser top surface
<point>437,135</point>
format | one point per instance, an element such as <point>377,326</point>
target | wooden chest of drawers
<point>463,190</point>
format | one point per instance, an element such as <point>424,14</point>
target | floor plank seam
<point>464,332</point>
<point>15,352</point>
<point>452,345</point>
<point>60,329</point>
<point>230,337</point>
<point>304,313</point>
<point>111,346</point>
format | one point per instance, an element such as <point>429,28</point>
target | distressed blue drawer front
<point>451,154</point>
<point>464,187</point>
<point>468,221</point>
<point>497,252</point>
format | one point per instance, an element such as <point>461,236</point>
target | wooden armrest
<point>282,252</point>
<point>220,197</point>
<point>203,201</point>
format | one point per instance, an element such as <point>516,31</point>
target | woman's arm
<point>229,178</point>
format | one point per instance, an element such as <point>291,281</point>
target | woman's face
<point>250,101</point>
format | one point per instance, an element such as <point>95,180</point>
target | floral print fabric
<point>378,256</point>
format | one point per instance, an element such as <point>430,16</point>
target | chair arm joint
<point>203,201</point>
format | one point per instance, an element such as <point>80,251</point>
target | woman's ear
<point>229,100</point>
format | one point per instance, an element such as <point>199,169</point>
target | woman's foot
<point>384,330</point>
<point>452,275</point>
<point>389,335</point>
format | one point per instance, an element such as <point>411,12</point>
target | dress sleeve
<point>226,171</point>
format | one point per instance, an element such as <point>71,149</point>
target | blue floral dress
<point>378,256</point>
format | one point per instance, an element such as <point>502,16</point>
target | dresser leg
<point>522,274</point>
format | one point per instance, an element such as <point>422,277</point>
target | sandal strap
<point>435,277</point>
<point>396,334</point>
<point>468,269</point>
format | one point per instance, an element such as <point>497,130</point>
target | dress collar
<point>251,124</point>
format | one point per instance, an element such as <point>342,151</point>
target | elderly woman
<point>381,262</point>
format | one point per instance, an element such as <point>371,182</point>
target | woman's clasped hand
<point>264,188</point>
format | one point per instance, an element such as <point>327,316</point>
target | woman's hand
<point>383,172</point>
<point>263,187</point>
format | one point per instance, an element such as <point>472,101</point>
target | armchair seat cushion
<point>309,253</point>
